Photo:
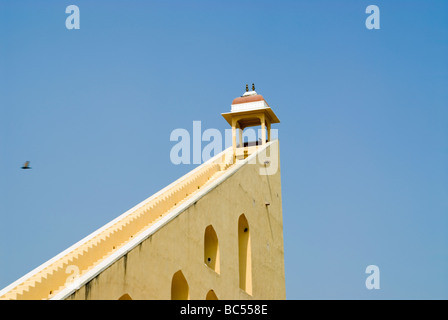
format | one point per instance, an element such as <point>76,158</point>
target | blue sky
<point>363,132</point>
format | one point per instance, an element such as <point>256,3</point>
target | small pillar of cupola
<point>250,110</point>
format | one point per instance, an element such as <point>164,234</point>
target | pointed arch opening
<point>179,287</point>
<point>211,295</point>
<point>244,255</point>
<point>211,249</point>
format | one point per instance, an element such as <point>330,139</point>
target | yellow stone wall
<point>146,271</point>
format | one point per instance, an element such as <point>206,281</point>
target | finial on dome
<point>247,88</point>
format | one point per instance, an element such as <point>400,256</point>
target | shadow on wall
<point>211,249</point>
<point>179,287</point>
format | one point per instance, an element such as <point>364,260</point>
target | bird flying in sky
<point>26,165</point>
